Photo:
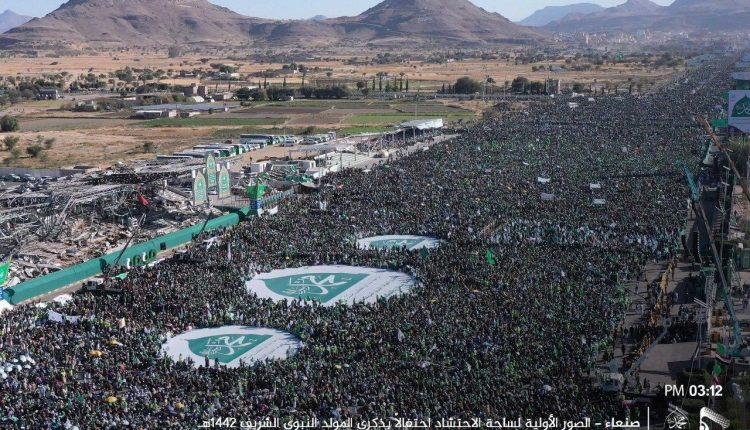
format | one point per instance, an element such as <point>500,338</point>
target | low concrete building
<point>89,106</point>
<point>195,90</point>
<point>49,93</point>
<point>154,114</point>
<point>223,96</point>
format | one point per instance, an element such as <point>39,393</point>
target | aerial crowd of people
<point>542,213</point>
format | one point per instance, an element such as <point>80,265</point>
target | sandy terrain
<point>421,75</point>
<point>103,138</point>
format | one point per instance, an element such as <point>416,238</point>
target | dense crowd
<point>569,202</point>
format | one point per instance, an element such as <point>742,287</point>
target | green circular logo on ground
<point>231,345</point>
<point>316,286</point>
<point>226,347</point>
<point>330,285</point>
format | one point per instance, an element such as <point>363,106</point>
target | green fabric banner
<point>225,184</point>
<point>4,270</point>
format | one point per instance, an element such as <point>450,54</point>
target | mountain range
<point>10,19</point>
<point>680,16</point>
<point>391,23</point>
<point>158,23</point>
<point>549,14</point>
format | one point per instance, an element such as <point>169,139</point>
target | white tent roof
<point>424,124</point>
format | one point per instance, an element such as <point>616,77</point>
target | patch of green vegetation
<point>234,133</point>
<point>211,122</point>
<point>385,119</point>
<point>337,103</point>
<point>360,130</point>
<point>429,108</point>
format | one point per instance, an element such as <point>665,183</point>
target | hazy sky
<point>512,9</point>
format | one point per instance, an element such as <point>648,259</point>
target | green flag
<point>4,270</point>
<point>717,369</point>
<point>721,350</point>
<point>490,256</point>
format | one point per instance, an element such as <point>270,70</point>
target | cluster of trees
<point>130,75</point>
<point>10,143</point>
<point>329,92</point>
<point>13,90</point>
<point>151,87</point>
<point>8,124</point>
<point>35,150</point>
<point>284,93</point>
<point>263,94</point>
<point>382,82</point>
<point>467,85</point>
<point>89,82</point>
<point>522,85</point>
<point>294,66</point>
<point>223,68</point>
<point>464,85</point>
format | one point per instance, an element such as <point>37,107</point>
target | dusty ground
<point>421,75</point>
<point>104,138</point>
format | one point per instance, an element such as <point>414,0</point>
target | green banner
<point>211,170</point>
<point>225,184</point>
<point>4,270</point>
<point>200,191</point>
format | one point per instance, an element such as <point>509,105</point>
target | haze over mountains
<point>117,23</point>
<point>680,16</point>
<point>554,13</point>
<point>10,19</point>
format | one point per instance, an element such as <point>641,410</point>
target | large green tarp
<point>138,254</point>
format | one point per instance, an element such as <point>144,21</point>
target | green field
<point>233,133</point>
<point>359,130</point>
<point>387,119</point>
<point>211,122</point>
<point>410,108</point>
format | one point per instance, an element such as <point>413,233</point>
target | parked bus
<point>199,153</point>
<point>262,139</point>
<point>231,150</point>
